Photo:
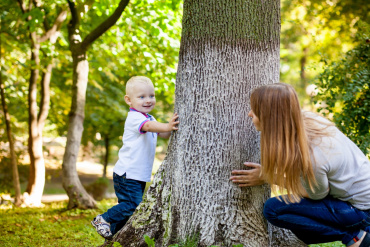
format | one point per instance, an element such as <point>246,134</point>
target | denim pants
<point>129,193</point>
<point>318,221</point>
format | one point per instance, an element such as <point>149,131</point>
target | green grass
<point>332,244</point>
<point>50,226</point>
<point>54,226</point>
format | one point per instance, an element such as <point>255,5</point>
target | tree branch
<point>108,23</point>
<point>56,26</point>
<point>22,6</point>
<point>74,19</point>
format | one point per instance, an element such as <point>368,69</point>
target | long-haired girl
<point>325,175</point>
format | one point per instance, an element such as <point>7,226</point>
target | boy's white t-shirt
<point>136,156</point>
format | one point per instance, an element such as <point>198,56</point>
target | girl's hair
<point>285,144</point>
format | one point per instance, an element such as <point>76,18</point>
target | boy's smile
<point>142,98</point>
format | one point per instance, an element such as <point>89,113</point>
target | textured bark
<point>228,48</point>
<point>13,158</point>
<point>78,197</point>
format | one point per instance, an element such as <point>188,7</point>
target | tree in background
<point>14,74</point>
<point>228,48</point>
<point>314,29</point>
<point>13,158</point>
<point>344,91</point>
<point>36,14</point>
<point>78,197</point>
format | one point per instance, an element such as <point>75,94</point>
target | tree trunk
<point>17,187</point>
<point>78,197</point>
<point>228,48</point>
<point>106,156</point>
<point>36,180</point>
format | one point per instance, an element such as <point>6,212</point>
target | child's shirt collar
<point>145,114</point>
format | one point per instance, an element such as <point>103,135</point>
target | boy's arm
<point>163,129</point>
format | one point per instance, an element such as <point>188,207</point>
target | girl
<point>326,176</point>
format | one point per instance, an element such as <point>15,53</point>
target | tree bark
<point>13,158</point>
<point>228,48</point>
<point>78,197</point>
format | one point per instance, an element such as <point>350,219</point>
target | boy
<point>134,166</point>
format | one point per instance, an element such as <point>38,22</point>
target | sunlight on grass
<point>52,225</point>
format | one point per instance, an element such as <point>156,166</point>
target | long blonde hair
<point>285,145</point>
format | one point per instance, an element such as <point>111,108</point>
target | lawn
<point>55,226</point>
<point>52,225</point>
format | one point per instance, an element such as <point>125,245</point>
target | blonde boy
<point>134,166</point>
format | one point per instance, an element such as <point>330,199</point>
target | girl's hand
<point>250,177</point>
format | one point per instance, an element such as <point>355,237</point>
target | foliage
<point>312,29</point>
<point>13,65</point>
<point>6,175</point>
<point>98,188</point>
<point>344,91</point>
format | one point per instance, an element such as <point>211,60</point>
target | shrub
<point>344,91</point>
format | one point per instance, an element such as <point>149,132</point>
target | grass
<point>53,225</point>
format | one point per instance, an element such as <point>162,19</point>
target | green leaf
<point>150,242</point>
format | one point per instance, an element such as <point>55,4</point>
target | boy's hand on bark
<point>172,125</point>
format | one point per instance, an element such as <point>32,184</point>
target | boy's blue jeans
<point>129,193</point>
<point>318,221</point>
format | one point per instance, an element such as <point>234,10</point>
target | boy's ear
<point>127,100</point>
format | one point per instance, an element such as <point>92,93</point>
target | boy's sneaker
<point>102,227</point>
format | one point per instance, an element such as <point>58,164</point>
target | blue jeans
<point>129,193</point>
<point>318,221</point>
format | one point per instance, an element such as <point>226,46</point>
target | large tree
<point>228,48</point>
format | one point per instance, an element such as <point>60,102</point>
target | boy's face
<point>141,97</point>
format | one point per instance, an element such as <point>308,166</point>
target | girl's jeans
<point>129,193</point>
<point>318,221</point>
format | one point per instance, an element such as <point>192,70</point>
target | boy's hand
<point>172,125</point>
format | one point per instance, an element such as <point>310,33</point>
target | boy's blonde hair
<point>130,84</point>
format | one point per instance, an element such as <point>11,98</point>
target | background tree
<point>312,30</point>
<point>14,48</point>
<point>78,197</point>
<point>34,14</point>
<point>16,184</point>
<point>227,49</point>
<point>344,91</point>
